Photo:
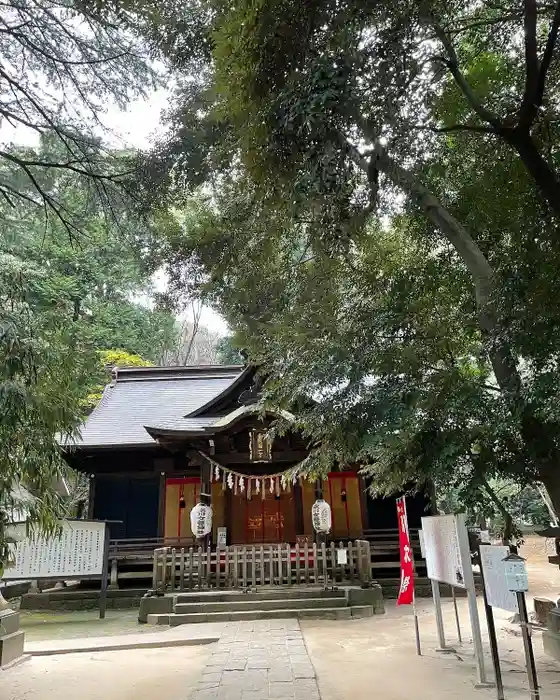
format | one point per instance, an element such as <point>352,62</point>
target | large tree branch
<point>547,55</point>
<point>502,359</point>
<point>476,128</point>
<point>452,64</point>
<point>528,107</point>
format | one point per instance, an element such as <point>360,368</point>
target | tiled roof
<point>152,396</point>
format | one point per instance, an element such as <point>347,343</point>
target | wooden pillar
<point>363,503</point>
<point>161,505</point>
<point>320,537</point>
<point>206,492</point>
<point>228,511</point>
<point>91,497</point>
<point>298,502</point>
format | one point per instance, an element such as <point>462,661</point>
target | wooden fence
<point>192,568</point>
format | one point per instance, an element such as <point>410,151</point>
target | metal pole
<point>492,635</point>
<point>416,629</point>
<point>528,645</point>
<point>415,613</point>
<point>456,615</point>
<point>439,617</point>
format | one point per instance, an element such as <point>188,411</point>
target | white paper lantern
<point>321,516</point>
<point>201,520</point>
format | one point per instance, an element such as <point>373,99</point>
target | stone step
<point>174,619</point>
<point>249,603</point>
<point>278,593</point>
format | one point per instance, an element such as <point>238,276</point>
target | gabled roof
<point>209,425</point>
<point>142,396</point>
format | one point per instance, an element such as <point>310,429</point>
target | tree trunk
<point>550,477</point>
<point>537,435</point>
<point>544,176</point>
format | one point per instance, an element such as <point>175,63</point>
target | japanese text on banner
<point>406,591</point>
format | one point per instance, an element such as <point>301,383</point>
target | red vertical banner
<point>406,591</point>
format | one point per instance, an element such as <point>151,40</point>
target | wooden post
<point>91,497</point>
<point>104,575</point>
<point>325,567</point>
<point>173,569</point>
<point>289,564</point>
<point>363,503</point>
<point>298,504</point>
<point>182,570</point>
<point>191,567</point>
<point>114,582</point>
<point>161,505</point>
<point>199,562</point>
<point>315,563</point>
<point>244,566</point>
<point>334,567</point>
<point>235,567</point>
<point>206,494</point>
<point>351,562</point>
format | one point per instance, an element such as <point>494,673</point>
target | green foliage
<point>341,291</point>
<point>107,359</point>
<point>63,301</point>
<point>43,369</point>
<point>228,354</point>
<point>62,65</point>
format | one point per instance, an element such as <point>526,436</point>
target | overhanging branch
<point>452,64</point>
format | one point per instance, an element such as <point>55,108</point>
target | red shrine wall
<point>270,519</point>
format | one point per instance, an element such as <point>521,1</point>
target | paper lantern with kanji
<point>201,520</point>
<point>321,516</point>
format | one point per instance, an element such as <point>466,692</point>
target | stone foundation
<point>154,605</point>
<point>551,636</point>
<point>11,637</point>
<point>367,596</point>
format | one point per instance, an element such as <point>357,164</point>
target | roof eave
<point>244,374</point>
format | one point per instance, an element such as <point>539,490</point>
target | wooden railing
<point>250,566</point>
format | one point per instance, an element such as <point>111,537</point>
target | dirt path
<point>168,674</point>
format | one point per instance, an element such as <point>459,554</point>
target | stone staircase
<point>262,605</point>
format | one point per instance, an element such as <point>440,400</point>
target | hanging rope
<point>254,483</point>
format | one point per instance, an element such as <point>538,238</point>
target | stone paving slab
<point>258,660</point>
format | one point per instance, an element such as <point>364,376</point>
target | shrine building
<point>164,438</point>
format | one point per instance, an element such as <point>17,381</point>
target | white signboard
<point>494,570</point>
<point>442,550</point>
<point>221,539</point>
<point>77,552</point>
<point>341,556</point>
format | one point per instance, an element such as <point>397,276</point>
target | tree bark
<point>544,176</point>
<point>551,481</point>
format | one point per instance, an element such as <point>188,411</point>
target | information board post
<point>528,646</point>
<point>491,633</point>
<point>464,550</point>
<point>439,617</point>
<point>457,622</point>
<point>104,575</point>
